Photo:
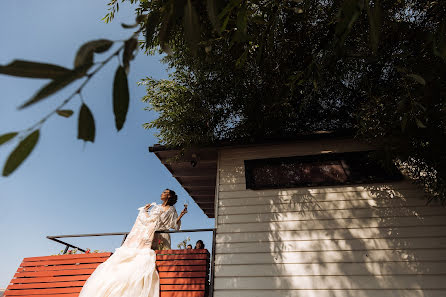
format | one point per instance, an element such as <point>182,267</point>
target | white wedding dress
<point>131,271</point>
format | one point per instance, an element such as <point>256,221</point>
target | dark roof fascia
<point>317,135</point>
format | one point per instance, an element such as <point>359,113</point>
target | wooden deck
<point>183,273</point>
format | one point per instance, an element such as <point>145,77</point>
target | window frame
<point>386,176</point>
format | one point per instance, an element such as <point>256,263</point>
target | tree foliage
<point>250,69</point>
<point>277,68</point>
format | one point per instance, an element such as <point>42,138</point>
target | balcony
<point>183,273</point>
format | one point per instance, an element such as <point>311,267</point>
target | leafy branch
<point>62,77</point>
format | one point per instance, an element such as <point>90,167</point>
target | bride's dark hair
<point>173,198</point>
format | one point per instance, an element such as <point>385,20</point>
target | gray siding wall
<point>374,240</point>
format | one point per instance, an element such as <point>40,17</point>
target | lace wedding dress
<point>131,271</point>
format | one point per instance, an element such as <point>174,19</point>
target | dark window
<point>317,170</point>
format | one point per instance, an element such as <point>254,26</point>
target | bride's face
<point>165,195</point>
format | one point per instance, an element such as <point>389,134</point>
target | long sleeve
<point>144,217</point>
<point>144,228</point>
<point>169,220</point>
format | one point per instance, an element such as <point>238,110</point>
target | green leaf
<point>439,42</point>
<point>224,24</point>
<point>129,47</point>
<point>259,20</point>
<point>242,59</point>
<point>33,69</point>
<point>403,105</point>
<point>120,97</point>
<point>404,122</point>
<point>140,18</point>
<point>417,78</point>
<point>56,85</point>
<point>153,20</point>
<point>375,21</point>
<point>421,106</point>
<point>191,26</point>
<point>127,26</point>
<point>86,129</point>
<point>7,137</point>
<point>165,31</point>
<point>227,10</point>
<point>212,13</point>
<point>84,55</point>
<point>349,13</point>
<point>65,113</point>
<point>420,124</point>
<point>241,33</point>
<point>401,69</point>
<point>20,153</point>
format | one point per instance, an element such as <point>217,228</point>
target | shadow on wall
<point>366,241</point>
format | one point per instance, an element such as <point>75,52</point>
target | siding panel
<point>319,256</point>
<point>389,190</point>
<point>331,269</point>
<point>329,293</point>
<point>417,213</point>
<point>321,197</point>
<point>364,233</point>
<point>370,240</point>
<point>330,224</point>
<point>332,245</point>
<point>309,205</point>
<point>333,282</point>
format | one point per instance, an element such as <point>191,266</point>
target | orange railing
<point>60,275</point>
<point>183,273</point>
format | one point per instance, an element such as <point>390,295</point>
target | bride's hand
<point>184,211</point>
<point>147,206</point>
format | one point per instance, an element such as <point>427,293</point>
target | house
<point>316,216</point>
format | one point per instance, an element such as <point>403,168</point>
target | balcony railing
<point>57,238</point>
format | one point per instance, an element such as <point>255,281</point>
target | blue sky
<point>66,186</point>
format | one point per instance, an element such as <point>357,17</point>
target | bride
<point>131,271</point>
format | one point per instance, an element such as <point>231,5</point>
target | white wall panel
<point>331,269</point>
<point>329,293</point>
<point>368,240</point>
<point>355,244</point>
<point>333,282</point>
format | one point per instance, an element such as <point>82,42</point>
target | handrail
<point>126,233</point>
<point>68,245</point>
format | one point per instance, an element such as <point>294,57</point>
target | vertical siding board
<point>376,240</point>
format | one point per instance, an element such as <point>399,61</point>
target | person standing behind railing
<point>199,245</point>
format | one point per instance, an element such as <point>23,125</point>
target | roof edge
<point>267,140</point>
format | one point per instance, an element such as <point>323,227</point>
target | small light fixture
<point>194,160</point>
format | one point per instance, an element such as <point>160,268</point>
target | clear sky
<point>66,186</point>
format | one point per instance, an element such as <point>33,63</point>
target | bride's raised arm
<point>143,215</point>
<point>178,219</point>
